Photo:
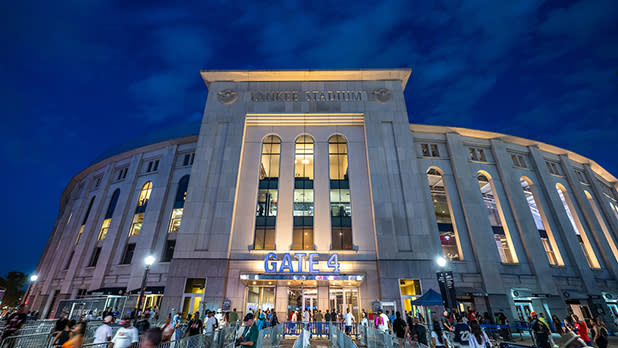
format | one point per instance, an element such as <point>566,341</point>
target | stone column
<point>323,296</point>
<point>594,226</point>
<point>281,302</point>
<point>481,236</point>
<point>529,235</point>
<point>548,187</point>
<point>597,193</point>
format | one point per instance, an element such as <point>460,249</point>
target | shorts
<point>348,329</point>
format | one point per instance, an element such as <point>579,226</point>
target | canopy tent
<point>429,298</point>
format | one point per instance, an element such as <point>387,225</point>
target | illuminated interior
<point>142,203</point>
<point>266,210</point>
<point>179,204</point>
<point>108,215</point>
<point>442,210</point>
<point>341,212</point>
<point>547,237</point>
<point>497,221</point>
<point>582,238</point>
<point>608,236</point>
<point>410,290</point>
<point>302,237</point>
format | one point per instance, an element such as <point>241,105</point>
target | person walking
<point>600,333</point>
<point>126,335</point>
<point>400,327</point>
<point>582,330</point>
<point>104,332</point>
<point>349,320</point>
<point>78,336</point>
<point>64,335</point>
<point>233,317</point>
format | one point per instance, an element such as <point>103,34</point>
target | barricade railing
<point>26,341</point>
<point>339,339</point>
<point>95,345</point>
<point>303,339</point>
<point>315,328</point>
<point>270,337</point>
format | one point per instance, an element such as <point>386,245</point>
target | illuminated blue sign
<point>286,263</point>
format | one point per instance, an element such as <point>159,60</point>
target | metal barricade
<point>303,339</point>
<point>95,345</point>
<point>40,340</point>
<point>339,339</point>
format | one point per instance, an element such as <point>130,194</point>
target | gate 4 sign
<point>295,263</point>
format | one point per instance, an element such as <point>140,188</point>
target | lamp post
<point>33,278</point>
<point>149,260</point>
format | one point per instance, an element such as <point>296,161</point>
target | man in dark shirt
<point>143,324</point>
<point>61,323</point>
<point>194,326</point>
<point>540,331</point>
<point>399,326</point>
<point>418,332</point>
<point>462,332</point>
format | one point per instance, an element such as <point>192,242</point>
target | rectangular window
<point>186,160</point>
<point>104,228</point>
<point>515,160</point>
<point>149,169</point>
<point>156,166</point>
<point>97,182</point>
<point>136,225</point>
<point>522,163</point>
<point>425,148</point>
<point>482,155</point>
<point>127,256</point>
<point>195,285</point>
<point>175,220</point>
<point>168,252</point>
<point>124,172</point>
<point>302,238</point>
<point>473,154</point>
<point>581,177</point>
<point>552,167</point>
<point>434,150</point>
<point>555,168</point>
<point>95,257</point>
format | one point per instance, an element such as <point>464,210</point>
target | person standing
<point>210,324</point>
<point>540,330</point>
<point>143,324</point>
<point>78,336</point>
<point>64,335</point>
<point>61,323</point>
<point>600,333</point>
<point>462,331</point>
<point>399,326</point>
<point>126,335</point>
<point>167,330</point>
<point>349,320</point>
<point>177,328</point>
<point>233,317</point>
<point>381,323</point>
<point>250,334</point>
<point>194,326</point>
<point>327,316</point>
<point>104,332</point>
<point>582,330</point>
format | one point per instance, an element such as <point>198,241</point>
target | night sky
<point>80,77</point>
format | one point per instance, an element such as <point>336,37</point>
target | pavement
<point>527,340</point>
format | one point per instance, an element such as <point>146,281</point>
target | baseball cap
<point>533,314</point>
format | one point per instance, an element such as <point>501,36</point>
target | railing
<point>270,337</point>
<point>26,341</point>
<point>339,339</point>
<point>315,328</point>
<point>371,337</point>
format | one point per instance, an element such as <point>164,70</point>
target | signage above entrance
<point>307,96</point>
<point>285,264</point>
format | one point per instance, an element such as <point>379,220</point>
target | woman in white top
<point>478,338</point>
<point>437,336</point>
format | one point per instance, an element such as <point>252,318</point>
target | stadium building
<point>311,189</point>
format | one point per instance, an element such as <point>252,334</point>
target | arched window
<point>266,208</point>
<point>340,211</point>
<point>496,219</point>
<point>179,204</point>
<point>582,238</point>
<point>142,202</point>
<point>81,228</point>
<point>597,213</point>
<point>547,237</point>
<point>442,209</point>
<point>107,220</point>
<point>302,238</point>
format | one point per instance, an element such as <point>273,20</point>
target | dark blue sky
<point>80,77</point>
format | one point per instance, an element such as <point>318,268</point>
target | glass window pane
<point>448,237</point>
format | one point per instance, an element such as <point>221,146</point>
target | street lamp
<point>149,260</point>
<point>33,278</point>
<point>441,261</point>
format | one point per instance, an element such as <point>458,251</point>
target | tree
<point>14,283</point>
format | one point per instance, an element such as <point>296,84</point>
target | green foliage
<point>14,283</point>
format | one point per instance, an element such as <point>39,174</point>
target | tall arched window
<point>578,228</point>
<point>340,211</point>
<point>302,238</point>
<point>81,228</point>
<point>442,209</point>
<point>107,220</point>
<point>597,213</point>
<point>547,237</point>
<point>266,208</point>
<point>496,219</point>
<point>142,202</point>
<point>179,204</point>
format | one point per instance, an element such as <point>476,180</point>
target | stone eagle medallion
<point>383,95</point>
<point>227,96</point>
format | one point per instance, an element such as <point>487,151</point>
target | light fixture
<point>149,260</point>
<point>34,278</point>
<point>441,261</point>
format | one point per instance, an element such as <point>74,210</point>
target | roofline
<point>467,132</point>
<point>402,75</point>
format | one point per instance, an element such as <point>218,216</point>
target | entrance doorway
<point>301,299</point>
<point>523,308</point>
<point>194,293</point>
<point>342,299</point>
<point>581,310</point>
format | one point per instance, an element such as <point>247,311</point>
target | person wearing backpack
<point>600,333</point>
